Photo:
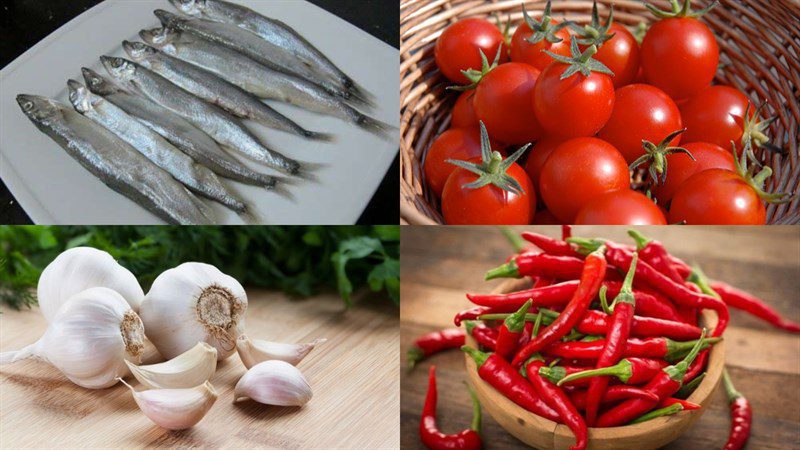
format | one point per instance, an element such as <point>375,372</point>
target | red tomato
<point>621,55</point>
<point>458,47</point>
<point>622,207</point>
<point>533,54</point>
<point>679,56</point>
<point>640,112</point>
<point>487,205</point>
<point>573,107</point>
<point>463,115</point>
<point>537,157</point>
<point>680,167</point>
<point>717,197</point>
<point>545,217</point>
<point>715,115</point>
<point>579,170</point>
<point>455,143</point>
<point>502,102</point>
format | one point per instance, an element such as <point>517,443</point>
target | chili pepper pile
<point>579,349</point>
<point>552,122</point>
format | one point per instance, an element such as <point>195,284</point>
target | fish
<point>177,130</point>
<point>214,89</point>
<point>196,177</point>
<point>276,33</point>
<point>112,160</point>
<point>256,78</point>
<point>219,124</point>
<point>250,45</point>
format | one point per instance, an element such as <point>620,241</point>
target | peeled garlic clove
<point>193,303</point>
<point>274,383</point>
<point>189,369</point>
<point>81,268</point>
<point>255,351</point>
<point>89,339</point>
<point>175,409</point>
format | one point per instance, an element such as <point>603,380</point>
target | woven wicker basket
<point>759,45</point>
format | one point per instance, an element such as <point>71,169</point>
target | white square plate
<point>55,189</point>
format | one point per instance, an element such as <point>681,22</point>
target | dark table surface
<point>26,22</point>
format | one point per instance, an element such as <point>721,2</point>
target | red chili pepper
<point>689,385</point>
<point>613,394</point>
<point>689,315</point>
<point>566,232</point>
<point>653,252</point>
<point>596,323</point>
<point>553,295</point>
<point>687,406</point>
<point>749,303</point>
<point>558,267</point>
<point>511,332</point>
<point>591,278</point>
<point>644,348</point>
<point>435,439</point>
<point>648,303</point>
<point>741,415</point>
<point>549,245</point>
<point>697,367</point>
<point>483,335</point>
<point>508,381</point>
<point>473,313</point>
<point>434,342</point>
<point>559,401</point>
<point>556,373</point>
<point>664,384</point>
<point>525,337</point>
<point>628,370</point>
<point>540,282</point>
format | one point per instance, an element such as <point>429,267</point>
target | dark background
<point>26,22</point>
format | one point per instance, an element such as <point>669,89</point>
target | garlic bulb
<point>175,409</point>
<point>89,339</point>
<point>81,268</point>
<point>189,369</point>
<point>253,352</point>
<point>193,303</point>
<point>274,383</point>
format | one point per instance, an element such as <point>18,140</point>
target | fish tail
<point>358,93</point>
<point>372,125</point>
<point>325,137</point>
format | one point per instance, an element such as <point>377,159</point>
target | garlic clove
<point>175,409</point>
<point>274,383</point>
<point>189,369</point>
<point>255,351</point>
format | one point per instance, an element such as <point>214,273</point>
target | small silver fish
<point>255,77</point>
<point>220,125</point>
<point>196,177</point>
<point>274,32</point>
<point>115,162</point>
<point>177,130</point>
<point>214,89</point>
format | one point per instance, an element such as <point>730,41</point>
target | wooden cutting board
<point>354,377</point>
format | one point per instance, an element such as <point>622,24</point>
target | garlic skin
<point>255,351</point>
<point>192,368</point>
<point>193,303</point>
<point>175,409</point>
<point>81,268</point>
<point>89,339</point>
<point>274,383</point>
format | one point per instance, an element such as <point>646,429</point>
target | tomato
<point>679,56</point>
<point>715,115</point>
<point>537,157</point>
<point>680,167</point>
<point>621,55</point>
<point>463,115</point>
<point>455,143</point>
<point>576,106</point>
<point>545,217</point>
<point>458,47</point>
<point>717,196</point>
<point>502,102</point>
<point>533,53</point>
<point>579,170</point>
<point>622,207</point>
<point>487,205</point>
<point>640,112</point>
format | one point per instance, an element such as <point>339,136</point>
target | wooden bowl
<point>542,433</point>
<point>758,54</point>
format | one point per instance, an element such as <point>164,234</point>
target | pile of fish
<point>159,129</point>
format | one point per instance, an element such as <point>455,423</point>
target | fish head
<point>36,107</point>
<point>118,68</point>
<point>138,51</point>
<point>80,97</point>
<point>96,83</point>
<point>192,8</point>
<point>167,18</point>
<point>159,37</point>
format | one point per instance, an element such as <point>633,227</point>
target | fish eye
<point>27,105</point>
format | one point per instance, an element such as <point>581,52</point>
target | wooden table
<point>440,264</point>
<point>354,377</point>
